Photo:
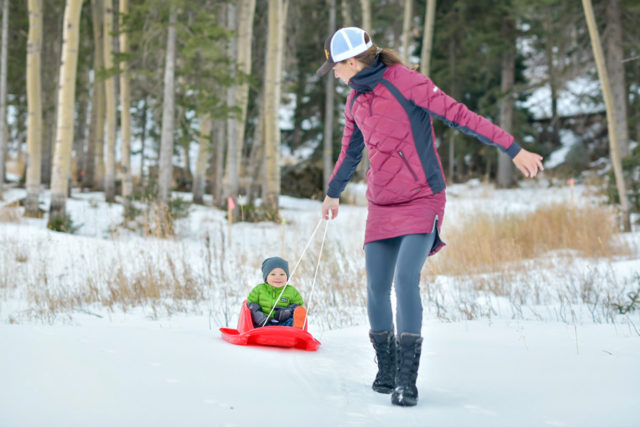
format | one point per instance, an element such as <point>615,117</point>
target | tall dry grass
<point>491,242</point>
<point>10,213</point>
<point>518,265</point>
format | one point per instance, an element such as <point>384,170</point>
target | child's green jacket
<point>265,295</point>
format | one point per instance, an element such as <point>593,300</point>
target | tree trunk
<point>363,166</point>
<point>345,13</point>
<point>245,36</point>
<point>94,163</point>
<point>110,101</point>
<point>219,143</point>
<point>165,172</point>
<point>427,37</point>
<point>453,70</point>
<point>34,101</point>
<point>505,176</point>
<point>256,158</point>
<point>615,66</point>
<point>271,187</point>
<point>82,95</point>
<point>3,91</point>
<point>329,109</point>
<point>366,16</point>
<point>406,30</point>
<point>66,100</point>
<point>51,45</point>
<point>203,156</point>
<point>143,137</point>
<point>553,80</point>
<point>611,122</point>
<point>125,108</point>
<point>231,181</point>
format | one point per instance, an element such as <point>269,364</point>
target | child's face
<point>277,277</point>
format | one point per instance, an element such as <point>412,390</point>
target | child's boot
<point>384,344</point>
<point>409,349</point>
<point>299,316</point>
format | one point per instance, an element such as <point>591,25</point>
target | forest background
<point>137,98</point>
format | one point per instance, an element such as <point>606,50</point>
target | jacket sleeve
<point>297,298</point>
<point>254,295</point>
<point>455,114</point>
<point>350,154</point>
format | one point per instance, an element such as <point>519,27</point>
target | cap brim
<point>325,68</point>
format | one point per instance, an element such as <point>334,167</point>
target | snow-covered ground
<point>98,365</point>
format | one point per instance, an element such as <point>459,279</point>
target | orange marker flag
<point>231,204</point>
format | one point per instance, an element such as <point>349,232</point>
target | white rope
<point>294,271</point>
<point>315,275</point>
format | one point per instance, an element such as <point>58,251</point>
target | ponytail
<point>387,56</point>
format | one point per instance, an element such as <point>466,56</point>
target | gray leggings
<point>403,256</point>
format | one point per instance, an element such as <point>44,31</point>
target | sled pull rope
<point>315,275</point>
<point>294,270</point>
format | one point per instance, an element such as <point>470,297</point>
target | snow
<point>579,96</point>
<point>129,371</point>
<point>548,365</point>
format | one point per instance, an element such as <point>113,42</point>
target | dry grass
<point>493,265</point>
<point>10,213</point>
<point>488,243</point>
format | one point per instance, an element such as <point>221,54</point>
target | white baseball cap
<point>344,44</point>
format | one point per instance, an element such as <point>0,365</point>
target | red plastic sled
<point>277,336</point>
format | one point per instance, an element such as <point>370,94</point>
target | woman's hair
<point>387,56</point>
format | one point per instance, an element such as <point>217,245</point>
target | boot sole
<point>383,390</point>
<point>403,400</point>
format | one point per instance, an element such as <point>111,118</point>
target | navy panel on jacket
<point>422,137</point>
<point>349,164</point>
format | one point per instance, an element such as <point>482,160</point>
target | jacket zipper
<point>406,162</point>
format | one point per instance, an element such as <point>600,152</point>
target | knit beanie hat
<point>274,262</point>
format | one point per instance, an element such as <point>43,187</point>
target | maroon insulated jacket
<point>391,111</point>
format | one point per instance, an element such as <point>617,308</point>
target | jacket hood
<point>368,78</point>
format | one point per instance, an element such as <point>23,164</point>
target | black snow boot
<point>384,342</point>
<point>409,349</point>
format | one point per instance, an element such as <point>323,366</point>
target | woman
<point>391,110</point>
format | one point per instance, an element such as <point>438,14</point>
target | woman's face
<point>346,69</point>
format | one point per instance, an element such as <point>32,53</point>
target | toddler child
<point>289,310</point>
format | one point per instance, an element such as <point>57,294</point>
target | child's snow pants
<point>402,256</point>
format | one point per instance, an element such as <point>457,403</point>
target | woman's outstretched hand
<point>529,163</point>
<point>330,207</point>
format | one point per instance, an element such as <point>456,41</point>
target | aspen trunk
<point>271,187</point>
<point>165,168</point>
<point>611,122</point>
<point>406,30</point>
<point>204,148</point>
<point>230,182</point>
<point>245,36</point>
<point>51,53</point>
<point>329,109</point>
<point>125,108</point>
<point>94,164</point>
<point>219,153</point>
<point>34,101</point>
<point>615,66</point>
<point>363,166</point>
<point>366,15</point>
<point>427,37</point>
<point>110,103</point>
<point>66,99</point>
